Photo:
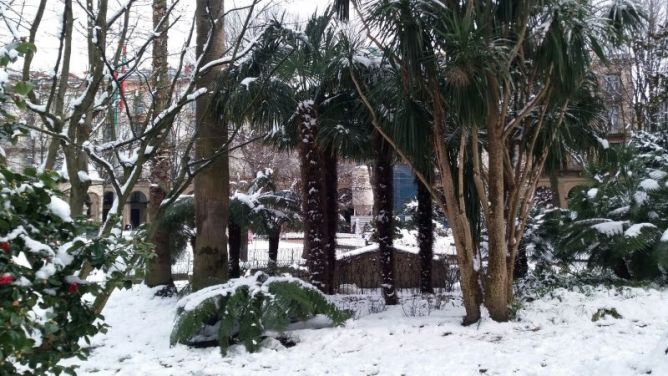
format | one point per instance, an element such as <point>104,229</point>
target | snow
<point>604,143</point>
<point>247,81</point>
<point>60,208</point>
<point>553,335</point>
<point>635,229</point>
<point>83,176</point>
<point>592,193</point>
<point>658,174</point>
<point>664,237</point>
<point>640,197</point>
<point>610,228</point>
<point>194,95</point>
<point>649,185</point>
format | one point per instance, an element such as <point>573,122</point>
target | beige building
<point>616,85</point>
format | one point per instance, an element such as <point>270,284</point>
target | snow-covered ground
<point>554,335</point>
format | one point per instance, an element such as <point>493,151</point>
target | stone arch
<point>138,205</point>
<point>573,188</point>
<point>107,202</point>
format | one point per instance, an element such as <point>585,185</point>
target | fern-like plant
<point>243,310</point>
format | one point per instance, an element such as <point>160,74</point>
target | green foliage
<point>620,221</point>
<point>42,312</point>
<point>179,222</point>
<point>245,309</point>
<point>603,312</point>
<point>12,97</point>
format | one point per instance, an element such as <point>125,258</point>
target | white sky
<point>47,41</point>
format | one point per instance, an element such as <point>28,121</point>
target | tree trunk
<point>235,232</point>
<point>159,271</point>
<point>330,203</point>
<point>554,186</point>
<point>457,218</point>
<point>425,228</point>
<point>274,238</point>
<point>498,278</point>
<point>312,206</point>
<point>383,217</point>
<point>211,184</point>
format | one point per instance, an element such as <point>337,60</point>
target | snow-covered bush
<point>620,221</point>
<point>42,313</point>
<point>244,310</point>
<point>12,96</point>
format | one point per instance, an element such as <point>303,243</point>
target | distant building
<point>616,86</point>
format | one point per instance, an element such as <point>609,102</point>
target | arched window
<point>138,206</point>
<point>107,201</point>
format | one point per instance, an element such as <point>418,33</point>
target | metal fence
<point>352,276</point>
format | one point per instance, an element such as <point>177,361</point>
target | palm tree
<point>265,211</point>
<point>491,74</point>
<point>425,227</point>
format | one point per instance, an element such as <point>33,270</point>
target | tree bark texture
<point>330,203</point>
<point>425,228</point>
<point>383,217</point>
<point>274,238</point>
<point>498,276</point>
<point>312,206</point>
<point>456,214</point>
<point>159,270</point>
<point>211,184</point>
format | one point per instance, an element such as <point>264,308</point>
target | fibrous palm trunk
<point>383,217</point>
<point>312,207</point>
<point>159,270</point>
<point>211,184</point>
<point>330,203</point>
<point>274,238</point>
<point>425,228</point>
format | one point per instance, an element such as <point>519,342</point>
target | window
<point>405,188</point>
<point>613,121</point>
<point>612,84</point>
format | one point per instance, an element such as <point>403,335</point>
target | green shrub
<point>42,312</point>
<point>244,309</point>
<point>619,222</point>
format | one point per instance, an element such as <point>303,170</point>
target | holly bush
<point>44,307</point>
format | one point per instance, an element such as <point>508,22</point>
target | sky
<point>22,12</point>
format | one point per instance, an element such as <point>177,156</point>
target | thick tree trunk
<point>235,233</point>
<point>498,276</point>
<point>425,228</point>
<point>383,217</point>
<point>159,271</point>
<point>312,206</point>
<point>330,203</point>
<point>211,184</point>
<point>274,238</point>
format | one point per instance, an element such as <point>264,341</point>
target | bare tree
<point>76,128</point>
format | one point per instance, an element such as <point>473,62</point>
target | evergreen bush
<point>620,221</point>
<point>42,313</point>
<point>244,310</point>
